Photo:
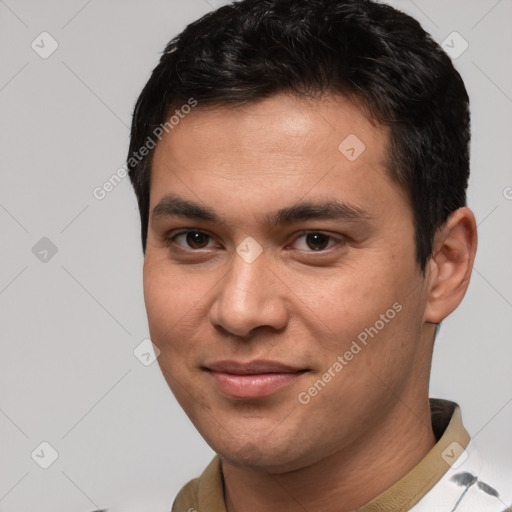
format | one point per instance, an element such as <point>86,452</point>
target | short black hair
<point>364,50</point>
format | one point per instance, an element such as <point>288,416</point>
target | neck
<point>346,479</point>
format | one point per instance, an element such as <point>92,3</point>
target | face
<point>280,279</point>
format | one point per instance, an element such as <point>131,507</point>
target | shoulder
<point>186,500</point>
<point>205,493</point>
<point>473,483</point>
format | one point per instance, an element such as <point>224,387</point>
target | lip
<point>254,379</point>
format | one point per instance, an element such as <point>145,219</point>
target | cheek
<point>367,315</point>
<point>177,305</point>
<point>169,301</point>
<point>345,301</point>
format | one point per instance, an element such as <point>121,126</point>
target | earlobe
<point>450,267</point>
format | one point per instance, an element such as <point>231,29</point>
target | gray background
<point>70,324</point>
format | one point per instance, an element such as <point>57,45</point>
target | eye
<point>313,241</point>
<point>193,239</point>
<point>316,241</point>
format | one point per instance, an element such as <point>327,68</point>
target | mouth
<point>255,379</point>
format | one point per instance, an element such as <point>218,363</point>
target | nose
<point>248,297</point>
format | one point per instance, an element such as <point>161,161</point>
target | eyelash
<point>170,240</point>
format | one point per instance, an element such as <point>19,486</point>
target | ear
<point>449,269</point>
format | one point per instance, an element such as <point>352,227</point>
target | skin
<point>303,307</point>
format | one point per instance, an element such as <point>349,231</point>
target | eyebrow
<point>172,205</point>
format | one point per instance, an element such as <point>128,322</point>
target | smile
<point>252,380</point>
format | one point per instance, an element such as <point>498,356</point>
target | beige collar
<point>206,493</point>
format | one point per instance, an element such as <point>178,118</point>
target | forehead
<point>273,151</point>
<point>290,125</point>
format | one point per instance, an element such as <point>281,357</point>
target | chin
<point>257,453</point>
<point>253,456</point>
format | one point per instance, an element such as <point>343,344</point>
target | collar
<point>207,491</point>
<point>451,437</point>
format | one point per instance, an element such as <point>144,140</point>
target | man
<point>301,171</point>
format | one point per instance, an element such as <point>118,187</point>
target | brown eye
<point>192,239</point>
<point>196,239</point>
<point>315,242</point>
